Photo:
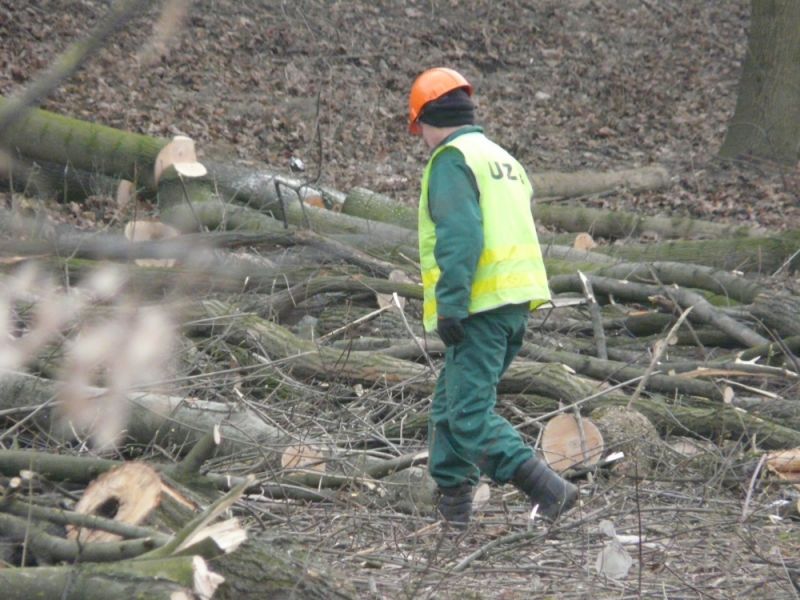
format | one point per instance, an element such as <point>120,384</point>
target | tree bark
<point>83,145</point>
<point>703,311</point>
<point>780,312</point>
<point>617,224</point>
<point>207,211</point>
<point>766,122</point>
<point>170,420</point>
<point>750,255</point>
<point>722,283</point>
<point>367,204</point>
<point>277,569</point>
<point>364,203</point>
<point>56,549</point>
<point>584,183</point>
<point>89,582</point>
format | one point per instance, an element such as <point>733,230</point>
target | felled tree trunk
<point>743,249</point>
<point>276,568</point>
<point>207,210</point>
<point>549,380</point>
<point>169,420</point>
<point>583,183</point>
<point>780,312</point>
<point>617,224</point>
<point>703,311</point>
<point>725,284</point>
<point>44,135</point>
<point>367,204</point>
<point>364,203</point>
<point>167,579</point>
<point>763,255</point>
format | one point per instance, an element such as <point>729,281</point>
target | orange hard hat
<point>429,86</point>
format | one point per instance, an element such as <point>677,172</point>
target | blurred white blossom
<point>106,353</point>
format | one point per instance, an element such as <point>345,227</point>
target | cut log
<point>616,224</point>
<point>127,494</point>
<point>281,302</point>
<point>374,206</point>
<point>609,369</point>
<point>268,567</point>
<point>88,146</point>
<point>584,183</point>
<point>178,154</point>
<point>79,520</point>
<point>754,253</point>
<point>761,255</point>
<point>169,420</point>
<point>179,422</point>
<point>569,441</point>
<point>702,312</point>
<point>303,456</point>
<point>49,548</point>
<point>147,230</point>
<point>366,204</point>
<point>785,461</point>
<point>208,211</point>
<point>778,311</point>
<point>722,283</point>
<point>175,578</point>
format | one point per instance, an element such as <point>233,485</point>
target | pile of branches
<point>287,315</point>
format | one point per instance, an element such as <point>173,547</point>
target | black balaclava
<point>451,110</point>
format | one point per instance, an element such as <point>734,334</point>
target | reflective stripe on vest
<point>510,269</point>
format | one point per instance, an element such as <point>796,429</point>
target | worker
<point>482,272</point>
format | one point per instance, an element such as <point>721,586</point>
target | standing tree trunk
<point>766,123</point>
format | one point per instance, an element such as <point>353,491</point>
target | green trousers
<point>466,437</point>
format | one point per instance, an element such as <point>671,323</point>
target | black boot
<point>546,488</point>
<point>455,505</point>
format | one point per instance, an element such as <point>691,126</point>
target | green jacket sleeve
<point>453,201</point>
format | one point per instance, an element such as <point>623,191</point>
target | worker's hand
<point>450,330</point>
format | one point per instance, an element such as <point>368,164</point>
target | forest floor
<point>588,84</point>
<point>585,84</point>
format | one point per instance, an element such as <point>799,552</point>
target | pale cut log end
<point>785,461</point>
<point>178,497</point>
<point>567,443</point>
<point>206,581</point>
<point>180,155</point>
<point>150,230</point>
<point>386,300</point>
<point>217,435</point>
<point>127,494</point>
<point>785,464</point>
<point>227,536</point>
<point>303,456</point>
<point>584,241</point>
<point>126,194</point>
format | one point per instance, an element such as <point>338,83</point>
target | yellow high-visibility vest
<point>510,269</point>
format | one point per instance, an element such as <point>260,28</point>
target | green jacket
<point>453,202</point>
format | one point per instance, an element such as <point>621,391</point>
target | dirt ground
<point>595,84</point>
<point>581,84</point>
